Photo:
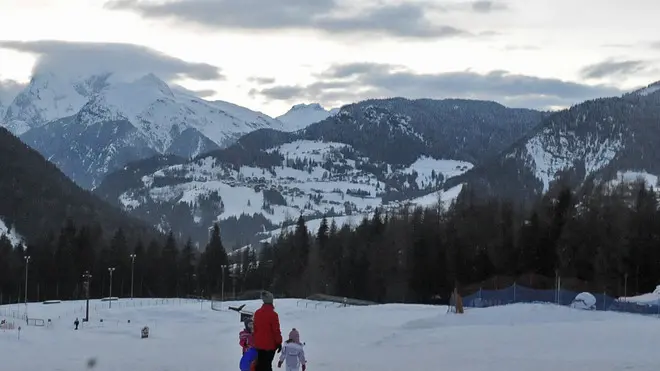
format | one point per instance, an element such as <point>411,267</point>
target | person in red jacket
<point>267,337</point>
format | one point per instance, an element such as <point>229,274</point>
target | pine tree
<point>170,267</point>
<point>215,258</point>
<point>187,266</point>
<point>139,267</point>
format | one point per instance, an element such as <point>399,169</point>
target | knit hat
<point>267,297</point>
<point>294,335</point>
<point>248,321</point>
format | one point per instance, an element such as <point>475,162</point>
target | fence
<point>95,306</point>
<point>521,294</point>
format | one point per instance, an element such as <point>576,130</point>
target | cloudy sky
<point>270,54</point>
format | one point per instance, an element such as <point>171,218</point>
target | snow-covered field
<point>190,336</point>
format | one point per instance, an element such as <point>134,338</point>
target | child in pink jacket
<point>293,353</point>
<point>245,336</point>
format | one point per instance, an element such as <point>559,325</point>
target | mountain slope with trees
<point>603,139</point>
<point>593,240</point>
<point>37,198</point>
<point>370,154</point>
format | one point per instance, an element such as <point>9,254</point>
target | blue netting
<point>522,294</point>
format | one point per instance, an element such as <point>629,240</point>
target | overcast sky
<point>270,54</point>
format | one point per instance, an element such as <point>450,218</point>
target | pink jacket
<point>245,339</point>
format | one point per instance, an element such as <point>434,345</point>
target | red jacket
<point>266,333</point>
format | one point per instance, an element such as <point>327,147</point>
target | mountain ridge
<point>594,141</point>
<point>304,114</point>
<point>161,119</point>
<point>382,159</point>
<point>38,198</point>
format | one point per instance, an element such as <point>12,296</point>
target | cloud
<point>9,89</point>
<point>611,68</point>
<point>342,84</point>
<point>123,60</point>
<point>262,80</point>
<point>484,6</point>
<point>521,47</point>
<point>202,93</point>
<point>407,20</point>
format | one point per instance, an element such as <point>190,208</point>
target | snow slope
<point>313,191</point>
<point>648,298</point>
<point>302,115</point>
<point>632,176</point>
<point>429,200</point>
<point>190,336</point>
<point>14,238</point>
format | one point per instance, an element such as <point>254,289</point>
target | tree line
<point>58,264</point>
<point>596,239</point>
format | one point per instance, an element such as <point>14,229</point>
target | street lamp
<point>233,290</point>
<point>27,262</point>
<point>87,278</point>
<point>132,271</point>
<point>223,283</point>
<point>110,298</point>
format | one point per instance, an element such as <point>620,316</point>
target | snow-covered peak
<point>310,106</point>
<point>302,115</point>
<point>48,97</point>
<point>160,112</point>
<point>151,82</point>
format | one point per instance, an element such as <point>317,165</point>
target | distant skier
<point>293,353</point>
<point>76,323</point>
<point>267,335</point>
<point>245,336</point>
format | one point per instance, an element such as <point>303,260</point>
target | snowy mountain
<point>95,126</point>
<point>302,115</point>
<point>602,140</point>
<point>371,154</point>
<point>49,97</point>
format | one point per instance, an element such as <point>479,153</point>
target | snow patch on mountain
<point>314,179</point>
<point>633,176</point>
<point>548,154</point>
<point>308,149</point>
<point>14,237</point>
<point>302,115</point>
<point>426,167</point>
<point>432,199</point>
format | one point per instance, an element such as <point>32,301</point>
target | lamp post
<point>27,262</point>
<point>233,290</point>
<point>87,278</point>
<point>223,284</point>
<point>110,297</point>
<point>132,256</point>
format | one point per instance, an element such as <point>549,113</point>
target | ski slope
<point>188,335</point>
